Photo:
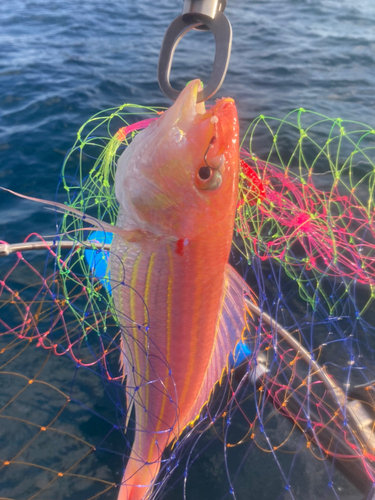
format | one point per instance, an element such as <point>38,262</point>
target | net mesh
<point>295,419</point>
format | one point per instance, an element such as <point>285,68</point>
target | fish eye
<point>208,179</point>
<point>204,173</point>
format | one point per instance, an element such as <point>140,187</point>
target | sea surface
<point>61,61</point>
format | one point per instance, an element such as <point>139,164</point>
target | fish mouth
<point>186,109</point>
<point>219,123</point>
<point>191,107</point>
<point>224,104</point>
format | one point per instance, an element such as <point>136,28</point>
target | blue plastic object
<point>241,353</point>
<point>97,259</point>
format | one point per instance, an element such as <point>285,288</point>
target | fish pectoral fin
<point>104,226</point>
<point>231,328</point>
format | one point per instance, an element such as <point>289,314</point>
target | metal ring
<point>222,31</point>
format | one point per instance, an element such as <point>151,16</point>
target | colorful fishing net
<point>293,418</point>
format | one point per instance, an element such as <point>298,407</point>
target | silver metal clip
<point>203,7</point>
<point>197,14</point>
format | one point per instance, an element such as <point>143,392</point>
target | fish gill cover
<point>304,241</point>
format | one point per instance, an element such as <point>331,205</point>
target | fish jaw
<point>157,183</point>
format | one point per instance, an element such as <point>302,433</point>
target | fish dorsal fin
<point>230,329</point>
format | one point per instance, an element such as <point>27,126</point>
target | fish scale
<point>191,312</point>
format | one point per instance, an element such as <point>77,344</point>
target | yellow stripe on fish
<point>150,271</point>
<point>133,312</point>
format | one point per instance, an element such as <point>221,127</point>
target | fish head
<point>179,177</point>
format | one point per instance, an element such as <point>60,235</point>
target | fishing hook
<point>200,15</point>
<point>212,141</point>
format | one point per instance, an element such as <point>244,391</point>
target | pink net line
<point>335,231</point>
<point>46,311</point>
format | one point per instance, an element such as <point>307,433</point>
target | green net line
<point>318,215</point>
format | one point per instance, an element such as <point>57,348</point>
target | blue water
<point>63,61</point>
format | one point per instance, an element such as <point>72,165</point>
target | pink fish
<point>177,186</point>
